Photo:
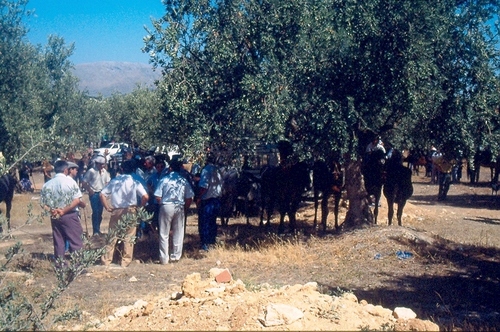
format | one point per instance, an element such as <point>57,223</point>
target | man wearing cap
<point>123,192</point>
<point>73,170</point>
<point>208,202</point>
<point>73,174</point>
<point>61,196</point>
<point>94,180</point>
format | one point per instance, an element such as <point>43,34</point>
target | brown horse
<point>329,182</point>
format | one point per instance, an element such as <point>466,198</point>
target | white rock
<point>404,313</point>
<point>280,314</point>
<point>176,295</point>
<point>123,311</point>
<point>139,304</point>
<point>215,290</point>
<point>218,302</point>
<point>313,286</point>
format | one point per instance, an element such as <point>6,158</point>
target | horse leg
<point>336,209</point>
<point>293,220</point>
<point>262,210</point>
<point>401,206</point>
<point>247,213</point>
<point>267,208</point>
<point>375,211</point>
<point>281,228</point>
<point>324,210</point>
<point>316,204</point>
<point>390,214</point>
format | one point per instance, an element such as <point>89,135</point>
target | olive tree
<point>37,90</point>
<point>327,75</point>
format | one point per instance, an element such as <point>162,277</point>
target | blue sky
<point>105,30</point>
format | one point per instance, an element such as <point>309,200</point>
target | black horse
<point>328,181</point>
<point>283,186</point>
<point>373,170</point>
<point>7,187</point>
<point>398,187</point>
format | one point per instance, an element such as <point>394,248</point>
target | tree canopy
<point>328,74</point>
<point>318,72</point>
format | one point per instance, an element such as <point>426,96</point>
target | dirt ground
<point>451,277</point>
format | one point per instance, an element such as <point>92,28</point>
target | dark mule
<point>7,187</point>
<point>283,186</point>
<point>486,159</point>
<point>373,169</point>
<point>247,190</point>
<point>328,181</point>
<point>398,187</point>
<point>229,194</point>
<point>417,159</point>
<point>267,193</point>
<point>238,194</point>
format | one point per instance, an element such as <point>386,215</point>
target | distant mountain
<point>109,77</point>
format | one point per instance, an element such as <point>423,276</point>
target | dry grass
<point>457,270</point>
<point>272,249</point>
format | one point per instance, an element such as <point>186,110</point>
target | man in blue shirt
<point>210,190</point>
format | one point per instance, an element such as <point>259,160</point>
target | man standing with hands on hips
<point>94,180</point>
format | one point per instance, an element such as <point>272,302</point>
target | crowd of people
<point>159,185</point>
<point>163,188</point>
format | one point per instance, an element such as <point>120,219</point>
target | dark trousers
<point>97,209</point>
<point>444,185</point>
<point>207,220</point>
<point>68,228</point>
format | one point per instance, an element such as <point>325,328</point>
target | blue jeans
<point>97,208</point>
<point>207,220</point>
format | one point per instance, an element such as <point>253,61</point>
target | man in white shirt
<point>94,180</point>
<point>174,194</point>
<point>123,191</point>
<point>61,196</point>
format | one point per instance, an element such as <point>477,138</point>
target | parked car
<point>112,148</point>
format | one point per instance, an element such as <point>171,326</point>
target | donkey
<point>7,187</point>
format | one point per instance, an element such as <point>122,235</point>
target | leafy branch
<point>17,312</point>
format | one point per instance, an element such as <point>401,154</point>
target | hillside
<point>109,77</point>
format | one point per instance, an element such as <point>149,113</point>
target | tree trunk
<point>359,213</point>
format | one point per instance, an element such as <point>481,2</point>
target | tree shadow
<point>488,221</point>
<point>465,295</point>
<point>470,201</point>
